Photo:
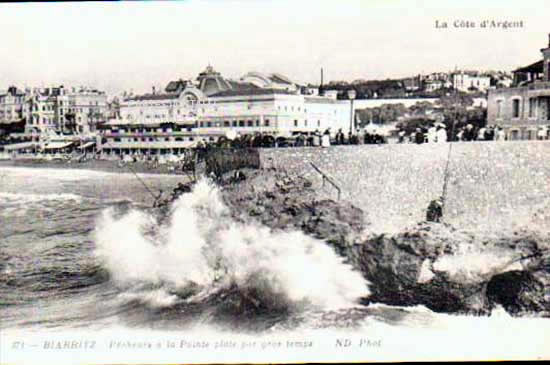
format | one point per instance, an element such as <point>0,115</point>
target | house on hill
<point>523,111</point>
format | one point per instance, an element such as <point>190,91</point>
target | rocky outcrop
<point>431,264</point>
<point>291,203</point>
<point>451,271</point>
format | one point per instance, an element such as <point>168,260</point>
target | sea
<point>83,252</point>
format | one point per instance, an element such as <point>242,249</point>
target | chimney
<point>153,90</point>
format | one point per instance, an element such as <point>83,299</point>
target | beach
<point>94,165</point>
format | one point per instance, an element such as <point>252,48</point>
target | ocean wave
<point>30,197</point>
<point>55,173</point>
<point>201,257</point>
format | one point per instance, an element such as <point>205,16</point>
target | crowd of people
<point>312,139</point>
<point>438,133</point>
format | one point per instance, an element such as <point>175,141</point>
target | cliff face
<point>430,264</point>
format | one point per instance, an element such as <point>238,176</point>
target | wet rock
<point>292,205</point>
<point>431,264</point>
<point>518,292</point>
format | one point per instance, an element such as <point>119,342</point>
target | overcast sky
<point>133,45</point>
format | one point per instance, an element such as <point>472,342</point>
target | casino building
<point>523,110</point>
<point>187,112</point>
<point>273,111</point>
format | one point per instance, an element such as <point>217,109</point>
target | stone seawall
<point>492,185</point>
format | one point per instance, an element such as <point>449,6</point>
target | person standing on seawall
<point>441,134</point>
<point>541,134</point>
<point>325,139</point>
<point>419,136</point>
<point>432,134</point>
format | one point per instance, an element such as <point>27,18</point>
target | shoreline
<point>95,165</point>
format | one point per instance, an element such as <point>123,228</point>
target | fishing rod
<point>446,172</point>
<point>142,182</point>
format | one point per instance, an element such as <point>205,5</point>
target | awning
<point>20,146</point>
<point>86,145</point>
<point>57,145</point>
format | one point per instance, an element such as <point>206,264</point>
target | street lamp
<point>351,96</point>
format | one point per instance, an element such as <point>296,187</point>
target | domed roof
<point>211,82</point>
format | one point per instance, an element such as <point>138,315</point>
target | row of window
<point>73,102</point>
<point>151,139</point>
<point>291,108</point>
<point>170,112</point>
<point>149,130</point>
<point>10,112</point>
<point>249,123</point>
<point>13,101</point>
<point>516,108</point>
<point>234,123</point>
<point>46,120</point>
<point>60,103</point>
<point>68,110</point>
<point>13,108</point>
<point>296,123</point>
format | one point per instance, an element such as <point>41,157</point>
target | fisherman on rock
<point>434,212</point>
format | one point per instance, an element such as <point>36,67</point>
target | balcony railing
<point>537,85</point>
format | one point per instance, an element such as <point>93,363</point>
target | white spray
<point>203,245</point>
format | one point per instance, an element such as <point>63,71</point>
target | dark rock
<point>517,292</point>
<point>406,268</point>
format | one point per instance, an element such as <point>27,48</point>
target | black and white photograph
<point>274,181</point>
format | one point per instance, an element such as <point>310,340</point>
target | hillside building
<point>524,110</point>
<point>468,82</point>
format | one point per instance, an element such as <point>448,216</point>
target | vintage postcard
<point>274,181</point>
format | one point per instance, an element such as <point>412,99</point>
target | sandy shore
<point>95,165</point>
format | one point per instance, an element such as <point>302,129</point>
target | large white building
<point>467,82</point>
<point>83,108</point>
<point>13,105</point>
<point>188,112</point>
<point>255,103</point>
<point>272,111</point>
<point>43,110</point>
<point>66,109</point>
<point>157,108</point>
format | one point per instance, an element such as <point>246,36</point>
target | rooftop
<point>13,91</point>
<point>536,67</point>
<point>174,86</point>
<point>152,97</point>
<point>235,85</point>
<point>252,92</point>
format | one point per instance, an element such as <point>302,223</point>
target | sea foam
<point>202,245</point>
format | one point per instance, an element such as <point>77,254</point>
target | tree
<point>385,113</point>
<point>421,107</point>
<point>410,125</point>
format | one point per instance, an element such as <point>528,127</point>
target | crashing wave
<point>201,254</point>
